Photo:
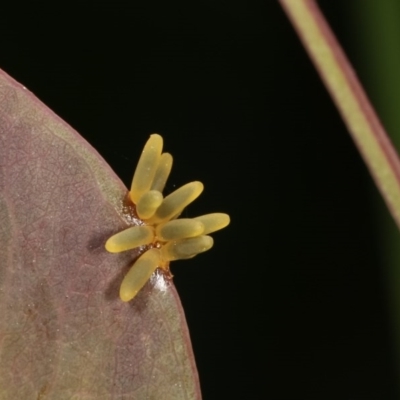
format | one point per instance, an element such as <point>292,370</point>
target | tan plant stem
<point>349,97</point>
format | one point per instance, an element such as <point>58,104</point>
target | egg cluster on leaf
<point>172,238</point>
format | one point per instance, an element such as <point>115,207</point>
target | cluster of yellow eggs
<point>171,238</point>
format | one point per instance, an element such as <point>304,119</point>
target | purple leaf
<point>64,332</point>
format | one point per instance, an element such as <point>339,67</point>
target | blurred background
<point>298,298</point>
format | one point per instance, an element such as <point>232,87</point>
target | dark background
<point>292,301</point>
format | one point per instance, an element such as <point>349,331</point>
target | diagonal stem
<point>349,97</point>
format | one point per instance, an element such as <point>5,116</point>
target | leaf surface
<point>64,333</point>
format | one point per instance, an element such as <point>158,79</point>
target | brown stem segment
<point>349,97</point>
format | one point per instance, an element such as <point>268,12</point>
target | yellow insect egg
<point>167,237</point>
